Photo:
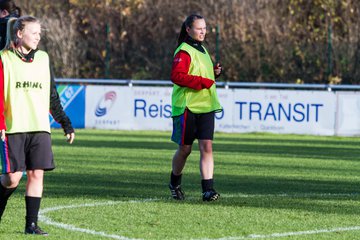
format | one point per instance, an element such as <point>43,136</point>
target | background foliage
<point>291,41</point>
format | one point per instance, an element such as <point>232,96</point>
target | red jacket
<point>180,73</point>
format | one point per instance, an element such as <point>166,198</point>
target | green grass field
<point>113,185</point>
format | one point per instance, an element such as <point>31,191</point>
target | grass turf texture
<point>268,183</point>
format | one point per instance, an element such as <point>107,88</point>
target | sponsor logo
<point>27,84</point>
<point>105,103</point>
<point>68,94</point>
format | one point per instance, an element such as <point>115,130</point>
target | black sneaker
<point>210,195</point>
<point>176,192</point>
<point>35,229</point>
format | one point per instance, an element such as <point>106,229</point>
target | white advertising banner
<point>130,108</point>
<point>279,111</point>
<point>348,113</point>
<point>245,110</point>
<point>224,120</point>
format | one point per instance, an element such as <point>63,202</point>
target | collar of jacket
<point>26,58</point>
<point>196,44</point>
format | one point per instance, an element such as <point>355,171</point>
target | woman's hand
<point>70,137</point>
<point>217,69</point>
<point>2,134</point>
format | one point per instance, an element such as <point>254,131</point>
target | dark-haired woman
<point>7,9</point>
<point>194,103</point>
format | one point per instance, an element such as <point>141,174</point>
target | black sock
<point>207,184</point>
<point>32,210</point>
<point>5,193</point>
<point>175,180</point>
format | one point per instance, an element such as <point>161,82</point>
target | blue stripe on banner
<point>72,99</point>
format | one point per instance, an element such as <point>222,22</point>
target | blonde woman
<point>27,93</point>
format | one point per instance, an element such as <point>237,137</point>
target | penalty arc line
<point>49,221</point>
<point>69,227</point>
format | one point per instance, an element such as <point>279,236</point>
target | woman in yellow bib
<point>194,103</point>
<point>27,94</point>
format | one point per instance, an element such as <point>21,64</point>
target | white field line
<point>82,230</point>
<point>69,227</point>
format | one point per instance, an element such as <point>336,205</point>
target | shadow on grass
<point>292,139</point>
<point>121,143</point>
<point>310,149</point>
<point>257,192</point>
<point>112,184</point>
<point>294,151</point>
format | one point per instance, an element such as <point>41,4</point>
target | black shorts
<point>26,151</point>
<point>190,126</point>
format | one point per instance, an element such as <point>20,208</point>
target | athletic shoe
<point>176,192</point>
<point>210,195</point>
<point>35,229</point>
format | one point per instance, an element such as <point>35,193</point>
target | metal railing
<point>227,85</point>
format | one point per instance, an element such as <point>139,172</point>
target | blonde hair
<point>13,26</point>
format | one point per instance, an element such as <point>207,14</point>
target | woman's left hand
<point>70,137</point>
<point>217,69</point>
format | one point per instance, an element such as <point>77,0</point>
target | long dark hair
<point>10,6</point>
<point>187,23</point>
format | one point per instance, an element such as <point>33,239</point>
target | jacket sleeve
<point>57,110</point>
<point>2,98</point>
<point>180,73</point>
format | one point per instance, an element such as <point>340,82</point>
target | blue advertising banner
<point>73,101</point>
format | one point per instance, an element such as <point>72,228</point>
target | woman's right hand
<point>3,134</point>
